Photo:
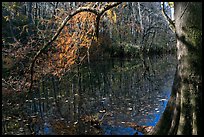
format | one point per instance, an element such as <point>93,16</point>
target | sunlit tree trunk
<point>189,45</point>
<point>140,15</point>
<point>134,21</point>
<point>183,112</point>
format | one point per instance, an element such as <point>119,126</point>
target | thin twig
<point>168,19</point>
<point>3,80</point>
<point>81,9</point>
<point>184,10</point>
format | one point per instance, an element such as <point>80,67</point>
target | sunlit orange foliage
<point>73,42</point>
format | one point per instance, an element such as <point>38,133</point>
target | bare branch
<point>109,7</point>
<point>102,11</point>
<point>7,83</point>
<point>184,10</point>
<point>172,24</point>
<point>81,9</point>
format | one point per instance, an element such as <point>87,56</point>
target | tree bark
<point>189,45</point>
<point>183,112</point>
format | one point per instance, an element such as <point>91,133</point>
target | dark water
<point>116,92</point>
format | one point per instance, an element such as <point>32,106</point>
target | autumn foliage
<point>72,45</point>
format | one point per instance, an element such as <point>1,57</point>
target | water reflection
<point>115,92</point>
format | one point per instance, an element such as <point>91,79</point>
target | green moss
<point>194,24</point>
<point>195,36</point>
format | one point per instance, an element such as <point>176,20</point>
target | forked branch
<point>81,9</point>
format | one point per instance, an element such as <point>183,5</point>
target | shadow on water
<point>107,97</point>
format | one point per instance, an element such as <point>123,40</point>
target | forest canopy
<point>28,26</point>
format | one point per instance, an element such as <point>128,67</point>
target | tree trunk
<point>30,20</point>
<point>140,15</point>
<point>30,12</point>
<point>183,112</point>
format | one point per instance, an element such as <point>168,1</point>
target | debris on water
<point>156,109</point>
<point>8,103</point>
<point>163,99</point>
<point>102,111</point>
<point>127,99</point>
<point>50,98</point>
<point>30,101</point>
<point>27,124</point>
<point>113,108</point>
<point>21,129</point>
<point>130,109</point>
<point>104,98</point>
<point>19,119</point>
<point>33,116</point>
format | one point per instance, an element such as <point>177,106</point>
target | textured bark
<point>189,44</point>
<point>183,112</point>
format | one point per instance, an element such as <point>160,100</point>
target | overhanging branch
<point>101,12</point>
<point>81,9</point>
<point>109,7</point>
<point>172,24</point>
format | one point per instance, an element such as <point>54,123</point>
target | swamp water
<point>115,94</point>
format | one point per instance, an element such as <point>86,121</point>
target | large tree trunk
<point>183,112</point>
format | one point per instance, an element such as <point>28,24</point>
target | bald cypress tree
<point>183,112</point>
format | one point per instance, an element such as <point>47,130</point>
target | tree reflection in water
<point>103,97</point>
